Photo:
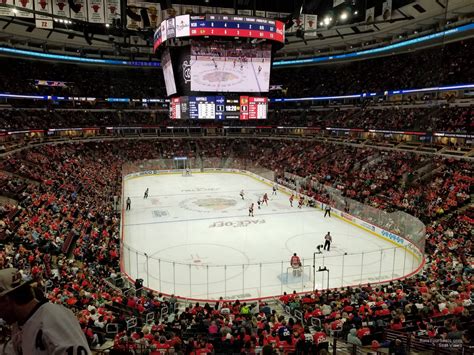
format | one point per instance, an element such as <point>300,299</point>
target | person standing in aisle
<point>129,203</point>
<point>327,241</point>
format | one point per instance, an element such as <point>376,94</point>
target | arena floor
<point>200,242</point>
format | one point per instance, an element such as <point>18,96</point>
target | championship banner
<point>112,10</point>
<point>207,10</point>
<point>226,10</point>
<point>7,11</point>
<point>132,24</point>
<point>24,4</point>
<point>95,9</point>
<point>272,14</point>
<point>298,23</point>
<point>260,13</point>
<point>61,8</point>
<point>42,9</point>
<point>244,12</point>
<point>337,2</point>
<point>177,9</point>
<point>154,13</point>
<point>189,9</point>
<point>387,10</point>
<point>81,15</point>
<point>310,24</point>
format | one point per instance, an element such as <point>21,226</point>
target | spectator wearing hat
<point>38,327</point>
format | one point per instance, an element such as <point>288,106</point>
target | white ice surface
<point>190,227</point>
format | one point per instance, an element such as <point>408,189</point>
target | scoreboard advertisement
<point>219,108</point>
<point>220,25</point>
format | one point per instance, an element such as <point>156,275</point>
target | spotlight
<point>327,20</point>
<point>61,20</point>
<point>356,12</point>
<point>107,25</point>
<point>15,11</point>
<point>321,24</point>
<point>344,16</point>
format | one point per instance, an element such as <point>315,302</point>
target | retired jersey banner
<point>95,9</point>
<point>80,15</point>
<point>154,13</point>
<point>387,10</point>
<point>369,18</point>
<point>272,14</point>
<point>189,9</point>
<point>225,10</point>
<point>42,9</point>
<point>61,8</point>
<point>131,23</point>
<point>310,22</point>
<point>244,12</point>
<point>260,13</point>
<point>24,4</point>
<point>6,11</point>
<point>112,10</point>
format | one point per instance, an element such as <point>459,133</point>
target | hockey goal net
<point>182,163</point>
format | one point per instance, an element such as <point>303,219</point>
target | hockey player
<point>265,198</point>
<point>259,69</point>
<point>295,263</point>
<point>251,210</point>
<point>292,197</point>
<point>327,211</point>
<point>145,196</point>
<point>242,194</point>
<point>129,203</point>
<point>259,203</point>
<point>275,188</point>
<point>327,241</point>
<point>301,201</point>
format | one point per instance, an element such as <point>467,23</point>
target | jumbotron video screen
<point>225,67</point>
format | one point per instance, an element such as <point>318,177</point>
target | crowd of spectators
<point>451,64</point>
<point>19,76</point>
<point>445,119</point>
<point>65,193</point>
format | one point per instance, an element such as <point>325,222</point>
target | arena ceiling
<point>409,18</point>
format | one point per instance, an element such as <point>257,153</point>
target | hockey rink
<point>193,237</point>
<point>229,75</point>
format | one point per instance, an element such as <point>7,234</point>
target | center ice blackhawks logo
<point>215,77</point>
<point>215,204</point>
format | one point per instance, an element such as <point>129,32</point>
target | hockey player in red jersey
<point>295,263</point>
